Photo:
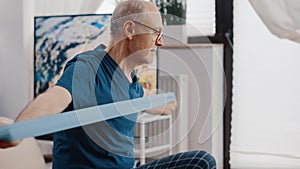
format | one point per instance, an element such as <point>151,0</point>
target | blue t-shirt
<point>94,78</point>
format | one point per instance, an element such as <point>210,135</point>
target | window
<point>200,15</point>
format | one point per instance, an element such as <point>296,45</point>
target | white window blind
<point>266,95</point>
<point>200,16</point>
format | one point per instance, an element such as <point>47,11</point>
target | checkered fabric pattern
<point>185,160</point>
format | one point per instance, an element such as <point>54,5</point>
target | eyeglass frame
<point>160,33</point>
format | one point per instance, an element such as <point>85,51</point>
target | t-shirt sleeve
<point>65,80</point>
<point>141,90</point>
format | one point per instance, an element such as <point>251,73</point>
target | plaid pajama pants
<point>185,160</point>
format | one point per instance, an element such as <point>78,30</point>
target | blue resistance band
<point>81,117</point>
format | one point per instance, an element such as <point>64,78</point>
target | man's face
<point>147,38</point>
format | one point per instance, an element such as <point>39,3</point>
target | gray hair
<point>126,10</point>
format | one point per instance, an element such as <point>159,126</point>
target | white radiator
<point>179,85</point>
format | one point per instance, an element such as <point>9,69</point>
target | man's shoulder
<point>90,57</point>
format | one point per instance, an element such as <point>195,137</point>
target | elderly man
<point>105,75</point>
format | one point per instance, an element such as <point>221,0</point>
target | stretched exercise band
<point>81,117</point>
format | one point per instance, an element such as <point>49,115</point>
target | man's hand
<point>4,144</point>
<point>165,109</point>
<point>169,108</point>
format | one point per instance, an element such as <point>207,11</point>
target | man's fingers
<point>4,144</point>
<point>169,108</point>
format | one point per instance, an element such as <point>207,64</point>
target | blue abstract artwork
<point>59,38</point>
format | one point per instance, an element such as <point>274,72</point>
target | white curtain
<point>66,7</point>
<point>266,95</point>
<point>282,17</point>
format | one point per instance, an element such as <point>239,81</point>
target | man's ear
<point>128,29</point>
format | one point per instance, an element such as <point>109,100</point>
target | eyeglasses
<point>160,34</point>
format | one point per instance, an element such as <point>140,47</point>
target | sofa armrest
<point>46,149</point>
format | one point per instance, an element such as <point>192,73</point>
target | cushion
<point>26,155</point>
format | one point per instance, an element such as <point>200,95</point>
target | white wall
<point>266,85</point>
<point>16,63</point>
<point>16,45</point>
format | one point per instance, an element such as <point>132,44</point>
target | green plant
<point>173,11</point>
